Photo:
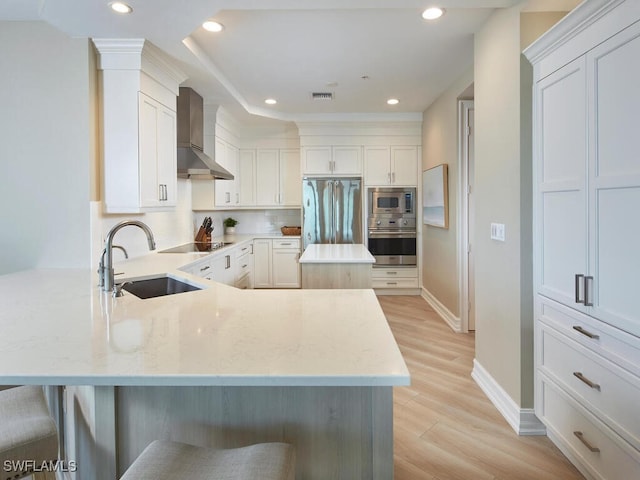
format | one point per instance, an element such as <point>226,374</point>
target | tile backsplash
<point>250,221</point>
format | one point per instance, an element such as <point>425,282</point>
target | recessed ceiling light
<point>432,13</point>
<point>393,101</point>
<point>270,101</point>
<point>212,26</point>
<point>120,7</point>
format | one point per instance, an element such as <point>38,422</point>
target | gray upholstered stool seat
<point>166,460</point>
<point>27,431</point>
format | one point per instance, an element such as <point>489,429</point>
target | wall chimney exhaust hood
<point>192,161</point>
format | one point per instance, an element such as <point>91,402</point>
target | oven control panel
<point>381,222</point>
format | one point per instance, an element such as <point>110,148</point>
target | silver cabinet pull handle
<point>584,379</point>
<point>392,273</point>
<point>586,333</point>
<point>584,441</point>
<point>588,286</point>
<point>578,281</point>
<point>392,283</point>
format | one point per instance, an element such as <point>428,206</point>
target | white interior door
<point>471,319</point>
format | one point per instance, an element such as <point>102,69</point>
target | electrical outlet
<point>497,231</point>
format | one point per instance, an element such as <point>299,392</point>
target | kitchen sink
<point>158,287</point>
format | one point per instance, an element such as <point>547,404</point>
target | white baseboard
<point>451,320</point>
<point>397,291</point>
<point>522,420</point>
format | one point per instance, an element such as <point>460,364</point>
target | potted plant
<point>229,225</point>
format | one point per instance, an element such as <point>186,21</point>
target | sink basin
<point>158,287</point>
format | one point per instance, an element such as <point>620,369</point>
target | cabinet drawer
<point>617,346</point>
<point>244,250</point>
<point>286,243</point>
<point>244,266</point>
<point>581,434</point>
<point>394,282</point>
<point>244,282</point>
<point>604,388</point>
<point>384,272</point>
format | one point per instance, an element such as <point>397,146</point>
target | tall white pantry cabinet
<point>586,150</point>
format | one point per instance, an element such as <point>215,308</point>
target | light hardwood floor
<point>445,428</point>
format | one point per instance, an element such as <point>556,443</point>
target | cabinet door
<point>262,263</point>
<point>317,160</point>
<point>347,160</point>
<point>614,179</point>
<point>233,158</point>
<point>290,179</point>
<point>167,156</point>
<point>246,181</point>
<point>286,269</point>
<point>560,180</point>
<point>268,175</point>
<point>376,166</point>
<point>150,190</point>
<point>225,190</point>
<point>404,165</point>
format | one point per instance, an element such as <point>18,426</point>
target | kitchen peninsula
<point>219,366</point>
<point>336,266</point>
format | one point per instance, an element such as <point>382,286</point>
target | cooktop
<point>196,247</point>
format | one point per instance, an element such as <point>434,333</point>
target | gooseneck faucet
<point>106,270</point>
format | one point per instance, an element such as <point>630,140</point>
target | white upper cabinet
<point>247,176</point>
<point>276,175</point>
<point>586,167</point>
<point>395,165</point>
<point>613,73</point>
<point>290,179</point>
<point>157,154</point>
<point>332,160</point>
<point>268,174</point>
<point>561,181</point>
<point>139,87</point>
<point>227,192</point>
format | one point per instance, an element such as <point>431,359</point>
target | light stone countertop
<point>336,253</point>
<point>58,328</point>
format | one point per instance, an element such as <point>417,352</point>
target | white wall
<point>440,270</point>
<point>504,308</point>
<point>44,148</point>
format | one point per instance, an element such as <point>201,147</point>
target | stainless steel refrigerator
<point>331,210</point>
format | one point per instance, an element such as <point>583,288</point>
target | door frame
<point>463,211</point>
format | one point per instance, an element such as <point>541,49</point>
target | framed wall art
<point>435,197</point>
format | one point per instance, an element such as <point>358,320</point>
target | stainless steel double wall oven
<point>391,223</point>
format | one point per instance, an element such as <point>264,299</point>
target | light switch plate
<point>497,231</point>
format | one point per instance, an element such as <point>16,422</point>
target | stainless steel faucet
<point>101,265</point>
<point>106,269</point>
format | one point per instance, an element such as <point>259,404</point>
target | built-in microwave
<point>389,200</point>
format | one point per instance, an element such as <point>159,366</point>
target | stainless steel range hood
<point>192,161</point>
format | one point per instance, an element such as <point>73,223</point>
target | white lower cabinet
<point>286,265</point>
<point>276,263</point>
<point>394,277</point>
<point>219,267</point>
<point>244,266</point>
<point>586,183</point>
<point>602,453</point>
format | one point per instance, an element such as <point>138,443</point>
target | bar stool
<point>27,432</point>
<point>167,460</point>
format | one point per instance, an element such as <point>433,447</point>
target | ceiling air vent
<point>322,95</point>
